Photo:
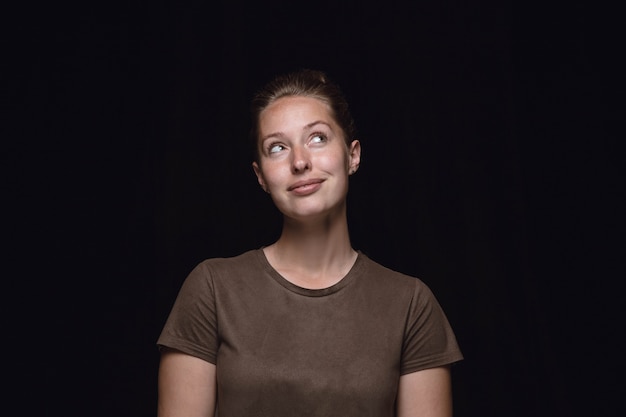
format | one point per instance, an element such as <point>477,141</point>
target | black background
<point>491,169</point>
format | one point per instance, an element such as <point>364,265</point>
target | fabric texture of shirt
<point>283,350</point>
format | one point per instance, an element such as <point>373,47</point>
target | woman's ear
<point>259,176</point>
<point>354,155</point>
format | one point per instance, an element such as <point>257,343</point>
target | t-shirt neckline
<point>342,283</point>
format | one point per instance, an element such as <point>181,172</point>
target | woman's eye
<point>275,148</point>
<point>319,138</point>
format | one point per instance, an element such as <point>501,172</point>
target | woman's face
<point>304,162</point>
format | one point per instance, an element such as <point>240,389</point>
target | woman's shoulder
<point>375,267</point>
<point>230,260</point>
<point>248,260</point>
<point>385,275</point>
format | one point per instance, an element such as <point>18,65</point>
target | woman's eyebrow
<point>308,126</point>
<point>272,135</point>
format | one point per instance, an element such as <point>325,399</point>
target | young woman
<point>306,326</point>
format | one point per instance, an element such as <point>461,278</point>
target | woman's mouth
<point>302,188</point>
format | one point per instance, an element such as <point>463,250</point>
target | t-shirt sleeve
<point>429,341</point>
<point>191,326</point>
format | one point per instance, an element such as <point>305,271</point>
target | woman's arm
<point>186,386</point>
<point>426,393</point>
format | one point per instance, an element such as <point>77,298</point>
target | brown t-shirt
<point>283,350</point>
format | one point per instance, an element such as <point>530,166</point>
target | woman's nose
<point>301,161</point>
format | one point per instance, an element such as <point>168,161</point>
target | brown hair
<point>306,83</point>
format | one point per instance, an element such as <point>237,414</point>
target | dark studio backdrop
<point>490,170</point>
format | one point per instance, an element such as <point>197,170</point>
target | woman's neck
<point>313,254</point>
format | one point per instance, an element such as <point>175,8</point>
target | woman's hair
<point>304,83</point>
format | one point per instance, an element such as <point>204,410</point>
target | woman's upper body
<point>285,350</point>
<point>307,325</point>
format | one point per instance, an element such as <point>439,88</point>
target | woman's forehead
<point>294,110</point>
<point>287,102</point>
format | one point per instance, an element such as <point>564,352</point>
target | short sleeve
<point>428,339</point>
<point>191,326</point>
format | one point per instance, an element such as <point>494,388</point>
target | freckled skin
<point>301,142</point>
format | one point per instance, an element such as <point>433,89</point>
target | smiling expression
<point>304,161</point>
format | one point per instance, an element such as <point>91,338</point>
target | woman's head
<point>305,83</point>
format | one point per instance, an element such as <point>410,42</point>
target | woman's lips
<point>305,187</point>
